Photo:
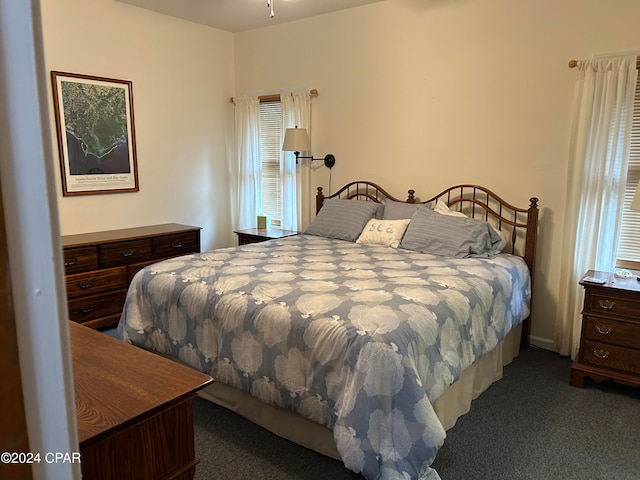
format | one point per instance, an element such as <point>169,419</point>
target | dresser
<point>610,338</point>
<point>99,266</point>
<point>133,410</point>
<point>255,235</point>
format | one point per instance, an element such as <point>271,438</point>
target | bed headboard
<point>362,190</point>
<point>520,224</point>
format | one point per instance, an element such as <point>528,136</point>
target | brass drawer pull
<point>604,329</point>
<point>607,304</point>
<point>127,253</point>
<point>72,261</point>
<point>176,244</point>
<point>601,353</point>
<point>88,309</point>
<point>85,285</point>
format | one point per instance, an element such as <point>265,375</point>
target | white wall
<point>182,76</point>
<point>425,94</point>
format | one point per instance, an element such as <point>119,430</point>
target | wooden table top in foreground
<point>117,384</point>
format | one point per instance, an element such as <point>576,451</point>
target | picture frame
<point>96,134</point>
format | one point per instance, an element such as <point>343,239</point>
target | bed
<point>363,338</point>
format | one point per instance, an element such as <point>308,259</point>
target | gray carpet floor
<point>531,424</point>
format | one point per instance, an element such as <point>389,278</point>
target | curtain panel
<point>295,189</point>
<point>248,198</point>
<point>599,155</point>
<point>295,179</point>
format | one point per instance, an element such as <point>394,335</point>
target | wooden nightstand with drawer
<point>610,338</point>
<point>99,266</point>
<point>256,235</point>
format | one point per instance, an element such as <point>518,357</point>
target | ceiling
<point>239,15</point>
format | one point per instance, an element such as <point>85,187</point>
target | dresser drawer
<point>96,281</point>
<point>625,334</point>
<point>244,239</point>
<point>123,253</point>
<point>603,303</point>
<point>176,244</point>
<point>95,306</point>
<point>102,322</point>
<point>80,259</point>
<point>611,356</point>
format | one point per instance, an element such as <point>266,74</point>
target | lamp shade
<point>635,203</point>
<point>296,140</point>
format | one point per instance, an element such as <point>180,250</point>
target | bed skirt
<point>454,403</point>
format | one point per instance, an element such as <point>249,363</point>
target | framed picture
<point>96,135</point>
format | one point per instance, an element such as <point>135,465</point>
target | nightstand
<point>610,338</point>
<point>256,235</point>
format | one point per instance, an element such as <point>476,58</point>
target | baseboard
<point>545,343</point>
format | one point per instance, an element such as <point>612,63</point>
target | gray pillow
<point>379,210</point>
<point>449,236</point>
<point>399,210</point>
<point>342,219</point>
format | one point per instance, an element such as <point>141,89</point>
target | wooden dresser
<point>610,338</point>
<point>99,266</point>
<point>133,410</point>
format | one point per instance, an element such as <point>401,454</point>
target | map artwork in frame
<point>96,135</point>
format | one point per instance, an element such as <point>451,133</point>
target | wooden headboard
<point>520,224</point>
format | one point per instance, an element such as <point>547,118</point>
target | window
<point>270,141</point>
<point>629,242</point>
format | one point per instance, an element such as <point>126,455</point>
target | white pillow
<point>383,232</point>
<point>444,209</point>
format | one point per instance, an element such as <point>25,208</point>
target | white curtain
<point>599,155</point>
<point>295,180</point>
<point>248,155</point>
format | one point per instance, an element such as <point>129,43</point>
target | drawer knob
<point>176,244</point>
<point>607,304</point>
<point>72,261</point>
<point>85,285</point>
<point>88,309</point>
<point>126,253</point>
<point>604,329</point>
<point>598,352</point>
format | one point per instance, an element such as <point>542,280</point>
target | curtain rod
<point>276,96</point>
<point>574,63</point>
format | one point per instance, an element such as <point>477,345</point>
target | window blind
<point>270,140</point>
<point>629,242</point>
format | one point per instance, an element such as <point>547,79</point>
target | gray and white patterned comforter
<point>359,338</point>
